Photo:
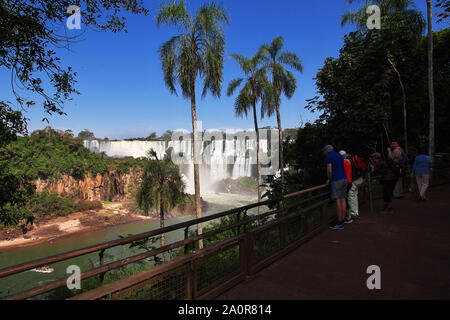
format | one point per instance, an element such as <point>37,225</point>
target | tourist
<point>348,172</point>
<point>336,174</point>
<point>397,155</point>
<point>388,180</point>
<point>359,167</point>
<point>421,169</point>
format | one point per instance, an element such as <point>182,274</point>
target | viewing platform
<point>286,253</point>
<point>411,247</point>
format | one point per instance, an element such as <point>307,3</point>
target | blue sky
<point>120,79</point>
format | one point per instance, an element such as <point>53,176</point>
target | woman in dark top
<point>388,180</point>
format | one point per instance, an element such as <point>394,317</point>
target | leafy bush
<point>44,204</point>
<point>48,154</point>
<point>84,205</point>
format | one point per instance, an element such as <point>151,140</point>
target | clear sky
<point>120,79</point>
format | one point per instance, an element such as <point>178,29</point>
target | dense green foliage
<point>162,187</point>
<point>86,135</point>
<point>47,155</point>
<point>30,32</point>
<point>360,102</point>
<point>43,204</point>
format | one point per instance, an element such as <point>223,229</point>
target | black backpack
<point>399,168</point>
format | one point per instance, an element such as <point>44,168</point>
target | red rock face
<point>108,187</point>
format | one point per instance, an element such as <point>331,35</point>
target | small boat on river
<point>44,269</point>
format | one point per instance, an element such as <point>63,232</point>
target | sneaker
<point>355,216</point>
<point>337,226</point>
<point>384,210</point>
<point>348,220</point>
<point>387,211</point>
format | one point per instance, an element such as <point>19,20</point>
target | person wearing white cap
<point>348,172</point>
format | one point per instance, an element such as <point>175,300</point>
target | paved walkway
<point>411,246</point>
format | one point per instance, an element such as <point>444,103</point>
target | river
<point>26,280</point>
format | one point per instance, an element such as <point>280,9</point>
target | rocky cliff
<point>108,187</point>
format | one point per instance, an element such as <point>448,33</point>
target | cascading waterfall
<point>221,159</point>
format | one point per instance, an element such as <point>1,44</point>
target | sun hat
<point>327,147</point>
<point>395,145</point>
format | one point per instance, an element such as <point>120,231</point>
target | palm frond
<point>210,16</point>
<point>185,68</point>
<point>167,54</point>
<point>275,46</point>
<point>292,60</point>
<point>242,61</point>
<point>289,84</point>
<point>358,18</point>
<point>235,83</point>
<point>244,101</point>
<point>198,51</point>
<point>173,13</point>
<point>213,66</point>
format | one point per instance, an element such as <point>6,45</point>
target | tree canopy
<point>359,102</point>
<point>29,40</point>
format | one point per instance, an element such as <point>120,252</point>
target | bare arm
<point>329,171</point>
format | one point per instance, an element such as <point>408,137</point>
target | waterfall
<point>221,159</point>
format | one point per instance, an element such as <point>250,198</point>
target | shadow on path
<point>411,246</point>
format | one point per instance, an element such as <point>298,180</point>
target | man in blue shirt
<point>338,178</point>
<point>421,169</point>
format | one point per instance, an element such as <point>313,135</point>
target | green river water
<point>26,280</point>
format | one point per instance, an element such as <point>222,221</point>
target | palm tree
<point>387,8</point>
<point>162,188</point>
<point>255,88</point>
<point>196,52</point>
<point>430,81</point>
<point>283,81</point>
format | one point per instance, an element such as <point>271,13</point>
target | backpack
<point>359,163</point>
<point>399,168</point>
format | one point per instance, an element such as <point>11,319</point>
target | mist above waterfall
<point>220,158</point>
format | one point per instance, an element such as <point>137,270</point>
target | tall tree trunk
<point>258,158</point>
<point>431,142</point>
<point>280,141</point>
<point>198,204</point>
<point>161,225</point>
<point>405,125</point>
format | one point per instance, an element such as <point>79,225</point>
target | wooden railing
<point>257,241</point>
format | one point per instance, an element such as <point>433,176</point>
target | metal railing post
<point>102,262</point>
<point>186,236</point>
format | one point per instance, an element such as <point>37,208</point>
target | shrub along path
<point>411,247</point>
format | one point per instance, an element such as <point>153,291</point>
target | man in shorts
<point>338,178</point>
